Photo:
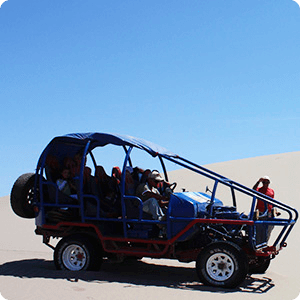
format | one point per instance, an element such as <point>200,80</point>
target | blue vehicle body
<point>194,220</point>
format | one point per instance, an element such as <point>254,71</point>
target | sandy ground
<point>27,270</point>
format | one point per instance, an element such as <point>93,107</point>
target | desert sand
<point>27,270</point>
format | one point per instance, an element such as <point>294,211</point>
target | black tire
<point>21,197</point>
<point>77,253</point>
<point>222,264</point>
<point>260,266</point>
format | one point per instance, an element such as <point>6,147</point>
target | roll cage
<point>86,142</point>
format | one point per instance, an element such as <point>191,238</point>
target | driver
<point>152,199</point>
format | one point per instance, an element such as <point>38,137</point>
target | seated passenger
<point>152,199</point>
<point>89,183</point>
<point>145,175</point>
<point>74,164</point>
<point>77,160</point>
<point>129,183</point>
<point>116,173</point>
<point>109,190</point>
<point>65,184</point>
<point>137,174</point>
<point>105,183</point>
<point>52,168</point>
<point>69,163</point>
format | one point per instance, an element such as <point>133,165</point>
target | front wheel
<point>77,253</point>
<point>222,264</point>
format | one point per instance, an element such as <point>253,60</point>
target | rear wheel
<point>77,253</point>
<point>222,264</point>
<point>22,196</point>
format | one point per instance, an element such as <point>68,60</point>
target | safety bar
<point>255,195</point>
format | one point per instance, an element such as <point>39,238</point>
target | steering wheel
<point>172,186</point>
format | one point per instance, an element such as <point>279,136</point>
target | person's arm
<point>149,194</point>
<point>162,200</point>
<point>257,184</point>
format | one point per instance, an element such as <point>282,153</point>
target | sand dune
<point>27,270</point>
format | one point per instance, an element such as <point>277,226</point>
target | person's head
<point>128,175</point>
<point>266,180</point>
<point>100,172</point>
<point>65,173</point>
<point>144,176</point>
<point>137,173</point>
<point>52,162</point>
<point>87,172</point>
<point>129,169</point>
<point>69,163</point>
<point>154,178</point>
<point>116,174</point>
<point>78,158</point>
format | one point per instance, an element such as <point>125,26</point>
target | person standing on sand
<point>261,205</point>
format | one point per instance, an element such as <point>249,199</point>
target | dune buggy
<point>225,244</point>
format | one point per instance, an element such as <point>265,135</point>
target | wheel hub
<point>220,266</point>
<point>74,257</point>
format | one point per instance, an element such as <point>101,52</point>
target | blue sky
<point>210,80</point>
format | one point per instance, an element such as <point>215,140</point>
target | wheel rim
<point>220,266</point>
<point>30,197</point>
<point>74,257</point>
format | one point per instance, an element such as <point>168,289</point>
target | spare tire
<point>22,196</point>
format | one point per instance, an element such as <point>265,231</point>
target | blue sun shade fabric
<point>102,139</point>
